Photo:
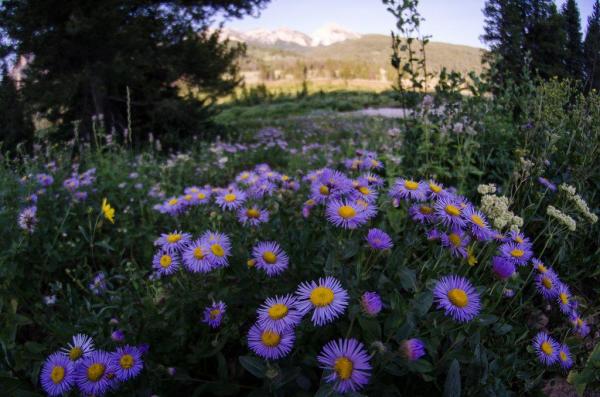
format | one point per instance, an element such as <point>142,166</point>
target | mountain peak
<point>326,35</point>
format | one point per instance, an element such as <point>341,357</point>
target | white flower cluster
<point>486,189</point>
<point>496,208</point>
<point>579,202</point>
<point>562,217</point>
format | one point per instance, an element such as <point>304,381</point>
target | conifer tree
<point>15,127</point>
<point>591,50</point>
<point>574,53</point>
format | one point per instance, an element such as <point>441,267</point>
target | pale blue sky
<point>451,21</point>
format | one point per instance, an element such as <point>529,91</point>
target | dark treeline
<point>534,36</point>
<point>153,66</point>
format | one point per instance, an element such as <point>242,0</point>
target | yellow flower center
<point>95,372</point>
<point>126,361</point>
<point>518,239</point>
<point>57,374</point>
<point>229,197</point>
<point>452,210</point>
<point>214,313</point>
<point>364,190</point>
<point>245,175</point>
<point>321,296</point>
<point>165,261</point>
<point>270,338</point>
<point>477,220</point>
<point>343,368</point>
<point>411,185</point>
<point>564,298</point>
<point>347,212</point>
<point>173,238</point>
<point>269,257</point>
<point>75,353</point>
<point>458,297</point>
<point>252,213</point>
<point>454,239</point>
<point>201,196</point>
<point>251,262</point>
<point>310,202</point>
<point>563,356</point>
<point>542,268</point>
<point>278,311</point>
<point>517,253</point>
<point>547,282</point>
<point>173,201</point>
<point>547,348</point>
<point>198,253</point>
<point>435,188</point>
<point>426,210</point>
<point>579,322</point>
<point>324,190</point>
<point>188,197</point>
<point>217,250</point>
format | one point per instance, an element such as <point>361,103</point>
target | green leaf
<point>253,365</point>
<point>422,303</point>
<point>452,383</point>
<point>408,278</point>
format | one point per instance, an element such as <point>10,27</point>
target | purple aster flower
<point>231,199</point>
<point>191,190</point>
<point>203,196</point>
<point>412,349</point>
<point>346,364</point>
<point>373,180</point>
<point>252,216</point>
<point>261,188</point>
<point>213,314</point>
<point>502,267</point>
<point>448,210</point>
<point>27,219</point>
<point>80,196</point>
<point>435,190</point>
<point>539,265</point>
<point>98,284</point>
<point>126,362</point>
<point>173,241</point>
<point>456,241</point>
<point>564,357</point>
<point>421,212</point>
<point>165,262</point>
<point>44,180</point>
<point>369,210</point>
<point>546,348</point>
<point>219,248</point>
<point>173,206</point>
<point>457,296</point>
<point>71,184</point>
<point>433,235</point>
<point>88,177</point>
<point>547,284</point>
<point>57,374</point>
<point>563,297</point>
<point>245,177</point>
<point>195,257</point>
<point>345,214</point>
<point>270,257</point>
<point>547,184</point>
<point>307,207</point>
<point>92,373</point>
<point>81,347</point>
<point>371,303</point>
<point>269,343</point>
<point>407,189</point>
<point>364,192</point>
<point>478,223</point>
<point>379,240</point>
<point>279,313</point>
<point>117,335</point>
<point>518,254</point>
<point>580,326</point>
<point>519,239</point>
<point>326,298</point>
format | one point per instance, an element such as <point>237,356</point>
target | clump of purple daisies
<point>92,371</point>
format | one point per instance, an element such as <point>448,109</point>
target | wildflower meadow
<point>324,255</point>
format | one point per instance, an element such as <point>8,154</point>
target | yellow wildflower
<point>108,211</point>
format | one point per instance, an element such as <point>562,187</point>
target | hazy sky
<point>451,21</point>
